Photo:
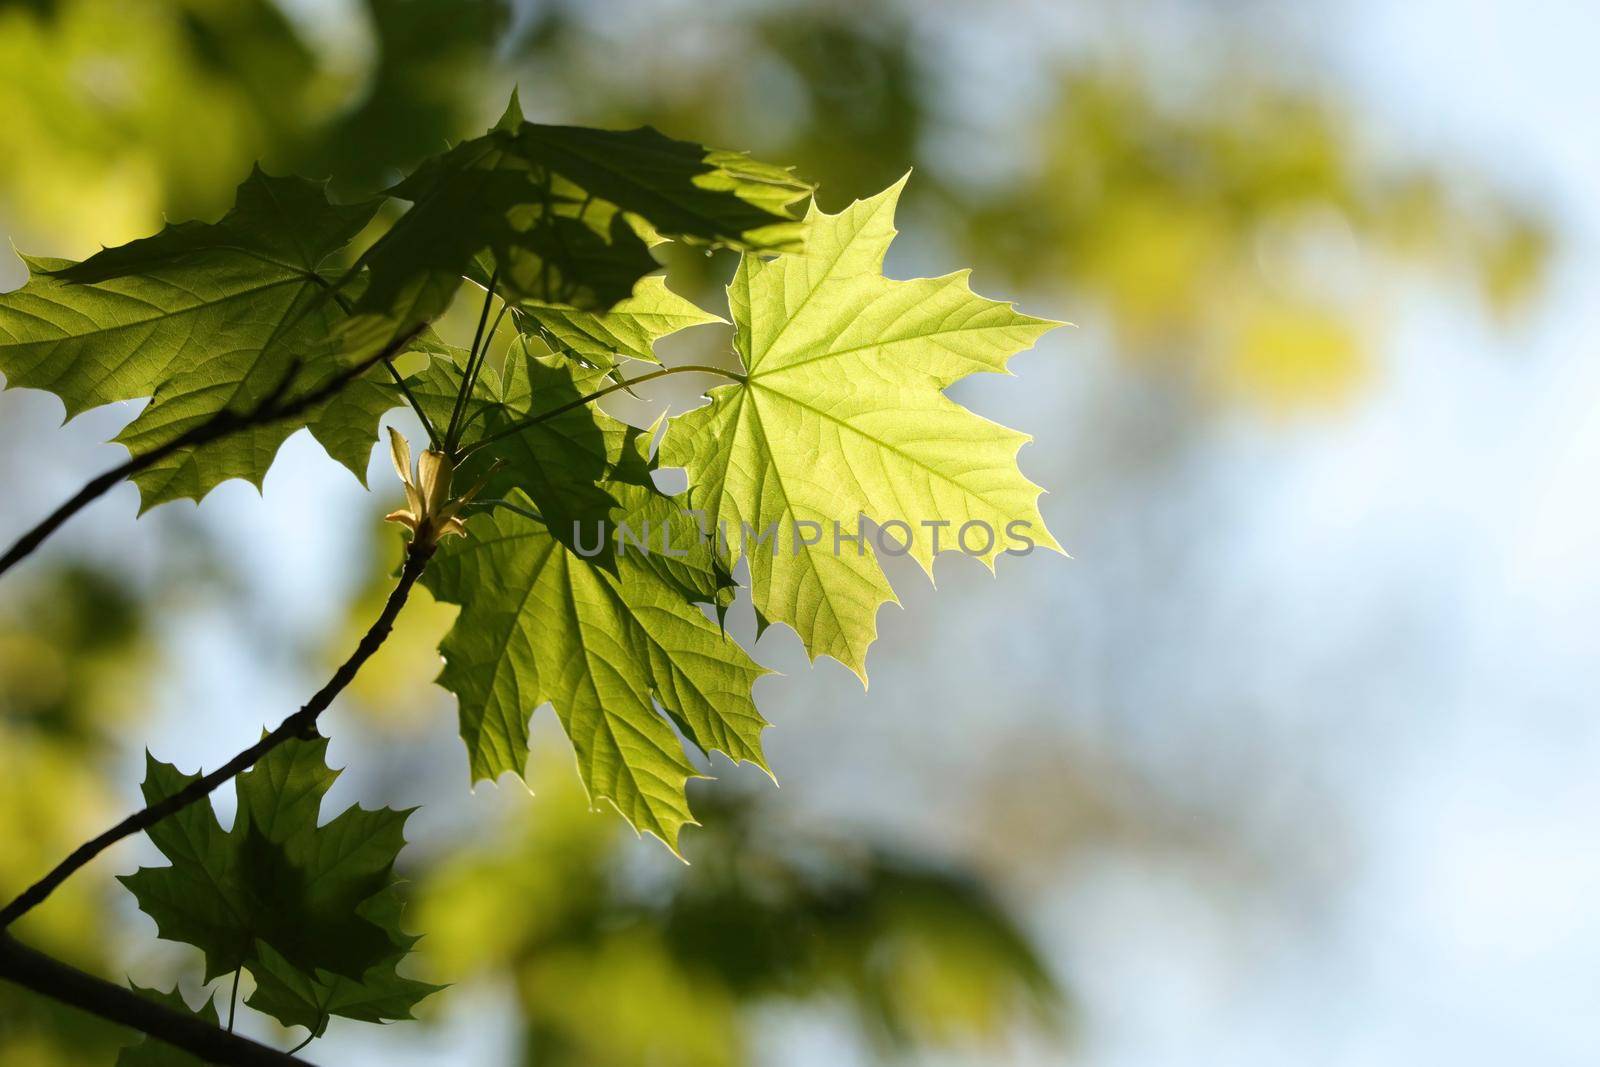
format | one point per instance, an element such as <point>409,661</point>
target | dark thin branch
<point>477,368</point>
<point>473,357</point>
<point>561,409</point>
<point>46,975</point>
<point>220,425</point>
<point>399,380</point>
<point>302,724</point>
<point>411,399</point>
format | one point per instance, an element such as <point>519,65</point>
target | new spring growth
<point>430,512</point>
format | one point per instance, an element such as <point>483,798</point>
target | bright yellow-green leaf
<point>842,414</point>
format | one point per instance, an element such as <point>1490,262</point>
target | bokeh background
<point>1294,761</point>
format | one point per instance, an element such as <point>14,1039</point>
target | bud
<point>430,513</point>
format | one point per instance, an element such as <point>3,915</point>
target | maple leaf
<point>201,317</point>
<point>302,906</point>
<point>566,214</point>
<point>562,458</point>
<point>601,634</point>
<point>207,317</point>
<point>842,414</point>
<point>540,623</point>
<point>563,462</point>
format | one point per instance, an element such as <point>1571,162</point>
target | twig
<point>220,425</point>
<point>43,974</point>
<point>301,724</point>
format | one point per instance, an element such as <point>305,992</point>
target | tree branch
<point>222,424</point>
<point>301,724</point>
<point>47,975</point>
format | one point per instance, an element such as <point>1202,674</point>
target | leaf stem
<point>312,1036</point>
<point>299,725</point>
<point>562,409</point>
<point>399,380</point>
<point>473,357</point>
<point>483,354</point>
<point>224,423</point>
<point>427,423</point>
<point>233,998</point>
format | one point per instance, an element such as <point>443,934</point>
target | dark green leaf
<point>296,997</point>
<point>565,215</point>
<point>322,898</point>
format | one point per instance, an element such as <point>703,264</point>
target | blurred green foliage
<point>75,658</point>
<point>1204,227</point>
<point>1241,234</point>
<point>430,68</point>
<point>73,653</point>
<point>122,111</point>
<point>615,968</point>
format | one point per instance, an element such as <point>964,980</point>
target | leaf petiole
<point>474,360</point>
<point>312,1036</point>
<point>411,399</point>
